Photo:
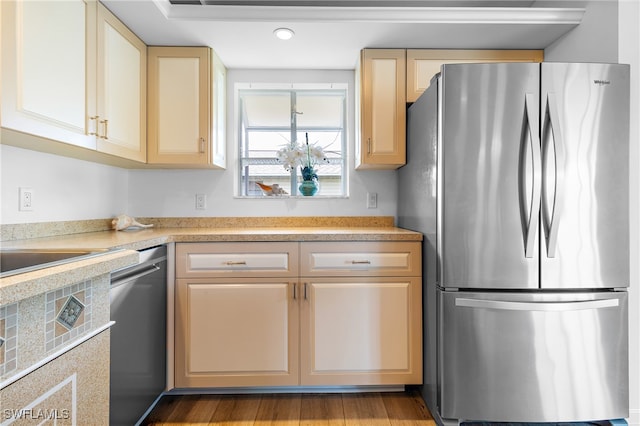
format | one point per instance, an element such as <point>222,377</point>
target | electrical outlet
<point>372,200</point>
<point>201,201</point>
<point>26,200</point>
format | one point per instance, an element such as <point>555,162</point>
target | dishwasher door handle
<point>123,279</point>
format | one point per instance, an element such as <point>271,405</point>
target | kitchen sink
<point>18,261</point>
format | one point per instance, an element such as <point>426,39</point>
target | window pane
<point>319,111</point>
<point>265,174</point>
<point>330,141</point>
<point>266,110</point>
<point>265,144</point>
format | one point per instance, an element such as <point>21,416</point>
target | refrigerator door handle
<point>551,209</point>
<point>537,306</point>
<point>530,217</point>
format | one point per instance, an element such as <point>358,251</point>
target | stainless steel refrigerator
<point>518,176</point>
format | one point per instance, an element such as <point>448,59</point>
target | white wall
<point>171,193</point>
<point>64,189</point>
<point>594,40</point>
<point>68,189</point>
<point>629,53</point>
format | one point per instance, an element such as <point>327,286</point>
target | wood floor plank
<point>162,411</point>
<point>404,410</point>
<point>331,409</point>
<point>195,409</point>
<point>279,409</point>
<point>237,410</point>
<point>321,410</point>
<point>364,409</point>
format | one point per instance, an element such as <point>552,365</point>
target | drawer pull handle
<point>235,262</point>
<point>361,262</point>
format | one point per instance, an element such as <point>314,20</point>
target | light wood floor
<point>361,409</point>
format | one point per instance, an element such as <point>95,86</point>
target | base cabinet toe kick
<point>298,314</point>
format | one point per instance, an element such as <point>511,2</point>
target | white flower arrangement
<point>306,156</point>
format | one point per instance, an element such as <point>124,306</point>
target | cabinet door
<point>361,331</point>
<point>236,332</point>
<point>122,89</point>
<point>423,64</point>
<point>48,71</point>
<point>182,81</point>
<point>382,109</point>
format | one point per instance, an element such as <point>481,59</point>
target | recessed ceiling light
<point>284,33</point>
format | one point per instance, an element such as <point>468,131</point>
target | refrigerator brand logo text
<point>601,82</point>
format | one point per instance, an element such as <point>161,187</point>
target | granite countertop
<point>22,286</point>
<point>122,246</point>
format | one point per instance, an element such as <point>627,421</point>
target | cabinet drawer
<point>361,259</point>
<point>236,259</point>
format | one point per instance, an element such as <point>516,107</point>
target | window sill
<point>288,197</point>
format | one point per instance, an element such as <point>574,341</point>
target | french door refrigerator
<point>518,176</point>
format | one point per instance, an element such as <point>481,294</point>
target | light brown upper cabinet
<point>382,109</point>
<point>48,74</point>
<point>423,64</point>
<point>122,89</point>
<point>73,74</point>
<point>186,120</point>
<point>391,78</point>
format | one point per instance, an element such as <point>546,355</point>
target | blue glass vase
<point>308,187</point>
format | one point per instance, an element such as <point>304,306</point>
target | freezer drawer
<point>533,357</point>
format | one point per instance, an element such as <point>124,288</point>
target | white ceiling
<point>330,34</point>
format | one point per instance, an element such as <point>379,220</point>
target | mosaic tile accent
<point>70,313</point>
<point>9,337</point>
<point>67,314</point>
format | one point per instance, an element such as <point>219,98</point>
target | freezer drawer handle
<point>537,306</point>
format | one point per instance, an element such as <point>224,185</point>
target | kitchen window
<point>270,118</point>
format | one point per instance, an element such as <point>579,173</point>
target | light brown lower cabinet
<point>236,332</point>
<point>344,320</point>
<point>361,331</point>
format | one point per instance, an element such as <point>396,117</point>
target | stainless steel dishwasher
<point>138,338</point>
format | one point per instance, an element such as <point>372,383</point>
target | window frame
<point>293,91</point>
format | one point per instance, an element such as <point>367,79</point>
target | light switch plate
<point>372,200</point>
